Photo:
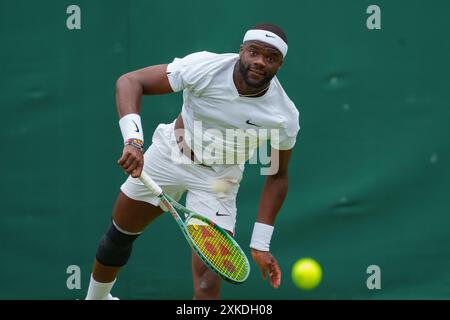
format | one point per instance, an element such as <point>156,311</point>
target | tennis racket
<point>217,249</point>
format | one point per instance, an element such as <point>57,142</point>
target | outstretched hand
<point>268,265</point>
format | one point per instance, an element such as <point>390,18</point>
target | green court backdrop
<point>369,176</point>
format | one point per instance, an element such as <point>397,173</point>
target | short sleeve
<point>189,72</point>
<point>285,137</point>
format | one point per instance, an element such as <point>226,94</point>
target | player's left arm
<point>272,197</point>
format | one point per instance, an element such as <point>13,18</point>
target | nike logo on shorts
<point>221,215</point>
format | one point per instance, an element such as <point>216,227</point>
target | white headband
<point>267,37</point>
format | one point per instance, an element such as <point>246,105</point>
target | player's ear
<point>241,50</point>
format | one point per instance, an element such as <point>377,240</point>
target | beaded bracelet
<point>135,143</point>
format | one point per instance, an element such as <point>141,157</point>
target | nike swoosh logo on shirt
<point>252,124</point>
<point>221,215</point>
<point>137,128</point>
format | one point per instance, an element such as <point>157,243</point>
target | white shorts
<point>175,178</point>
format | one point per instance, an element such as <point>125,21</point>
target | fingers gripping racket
<point>217,249</point>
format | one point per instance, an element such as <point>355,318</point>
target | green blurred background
<point>369,177</point>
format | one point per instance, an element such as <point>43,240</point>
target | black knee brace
<point>115,247</point>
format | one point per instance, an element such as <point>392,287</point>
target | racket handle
<point>149,183</point>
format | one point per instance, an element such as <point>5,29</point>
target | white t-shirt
<point>212,106</point>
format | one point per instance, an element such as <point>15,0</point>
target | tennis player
<point>221,92</point>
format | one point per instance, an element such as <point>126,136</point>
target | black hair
<point>272,28</point>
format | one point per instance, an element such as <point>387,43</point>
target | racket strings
<point>229,262</point>
<point>218,250</point>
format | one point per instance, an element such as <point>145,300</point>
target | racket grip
<point>149,183</point>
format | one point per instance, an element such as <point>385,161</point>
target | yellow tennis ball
<point>306,273</point>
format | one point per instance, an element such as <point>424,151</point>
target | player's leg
<point>206,282</point>
<point>129,219</point>
<point>220,207</point>
<point>135,208</point>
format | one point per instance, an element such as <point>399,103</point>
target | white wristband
<point>262,234</point>
<point>131,127</point>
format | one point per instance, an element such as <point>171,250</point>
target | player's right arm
<point>130,87</point>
